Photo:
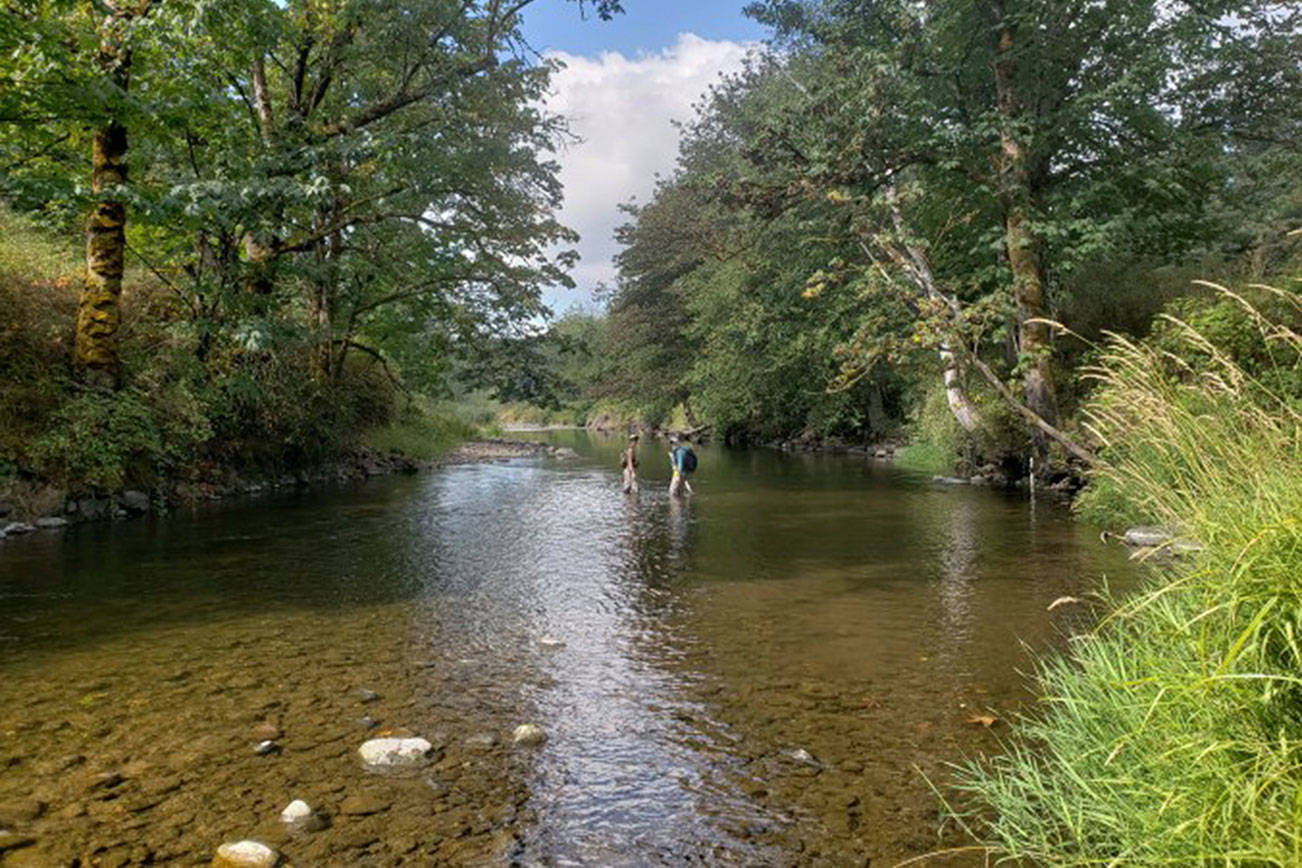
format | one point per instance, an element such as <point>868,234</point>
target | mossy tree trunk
<point>99,308</point>
<point>1023,246</point>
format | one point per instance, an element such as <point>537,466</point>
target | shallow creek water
<point>767,674</point>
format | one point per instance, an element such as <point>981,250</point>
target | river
<point>774,672</point>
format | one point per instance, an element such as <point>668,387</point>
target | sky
<point>624,84</point>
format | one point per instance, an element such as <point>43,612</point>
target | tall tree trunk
<point>1034,336</point>
<point>99,307</point>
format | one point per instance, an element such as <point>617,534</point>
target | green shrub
<point>108,440</point>
<point>935,440</point>
<point>1172,734</point>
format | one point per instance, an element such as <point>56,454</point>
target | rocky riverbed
<point>517,663</point>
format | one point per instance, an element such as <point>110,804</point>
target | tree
<point>1007,142</point>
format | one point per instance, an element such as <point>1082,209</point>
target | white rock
<point>245,854</point>
<point>394,751</point>
<point>550,641</point>
<point>296,812</point>
<point>1146,536</point>
<point>801,755</point>
<point>529,735</point>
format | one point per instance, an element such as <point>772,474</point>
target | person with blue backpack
<point>684,462</point>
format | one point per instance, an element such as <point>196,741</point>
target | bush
<point>935,438</point>
<point>1172,735</point>
<point>105,440</point>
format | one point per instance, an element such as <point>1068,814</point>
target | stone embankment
<point>44,508</point>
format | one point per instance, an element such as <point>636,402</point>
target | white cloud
<point>623,110</point>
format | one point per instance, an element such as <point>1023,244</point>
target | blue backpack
<point>686,459</point>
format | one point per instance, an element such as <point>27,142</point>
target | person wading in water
<point>684,461</point>
<point>629,463</point>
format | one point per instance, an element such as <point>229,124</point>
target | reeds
<point>1172,734</point>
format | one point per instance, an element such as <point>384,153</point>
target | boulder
<point>394,751</point>
<point>134,502</point>
<point>94,508</point>
<point>245,854</point>
<point>14,528</point>
<point>528,735</point>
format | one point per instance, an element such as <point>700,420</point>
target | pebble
<point>529,735</point>
<point>263,748</point>
<point>266,731</point>
<point>296,812</point>
<point>394,751</point>
<point>550,641</point>
<point>245,854</point>
<point>368,722</point>
<point>482,741</point>
<point>360,805</point>
<point>364,696</point>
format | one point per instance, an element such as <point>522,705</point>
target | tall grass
<point>1172,734</point>
<point>422,430</point>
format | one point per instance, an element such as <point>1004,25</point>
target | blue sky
<point>646,25</point>
<point>622,86</point>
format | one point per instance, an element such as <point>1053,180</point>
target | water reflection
<point>754,675</point>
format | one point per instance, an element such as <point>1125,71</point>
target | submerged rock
<point>263,748</point>
<point>266,731</point>
<point>362,805</point>
<point>482,741</point>
<point>529,735</point>
<point>394,751</point>
<point>800,755</point>
<point>245,854</point>
<point>949,480</point>
<point>365,696</point>
<point>550,641</point>
<point>296,812</point>
<point>51,522</point>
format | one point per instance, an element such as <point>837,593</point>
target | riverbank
<point>48,508</point>
<point>1169,733</point>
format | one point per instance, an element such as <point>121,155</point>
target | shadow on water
<point>761,674</point>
